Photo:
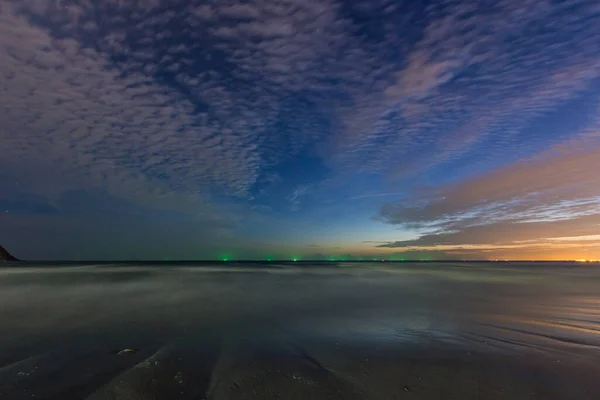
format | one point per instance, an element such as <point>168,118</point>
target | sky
<point>308,129</point>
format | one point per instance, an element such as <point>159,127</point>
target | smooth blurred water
<point>519,310</point>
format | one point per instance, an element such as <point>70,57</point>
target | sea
<point>300,330</point>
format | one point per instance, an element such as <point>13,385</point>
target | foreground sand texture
<point>239,369</point>
<point>409,332</point>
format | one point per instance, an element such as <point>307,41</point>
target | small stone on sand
<point>127,352</point>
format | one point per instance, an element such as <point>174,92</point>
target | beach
<point>279,331</point>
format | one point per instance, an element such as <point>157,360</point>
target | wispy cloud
<point>481,74</point>
<point>365,196</point>
<point>536,202</point>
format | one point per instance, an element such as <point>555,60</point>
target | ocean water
<point>284,330</point>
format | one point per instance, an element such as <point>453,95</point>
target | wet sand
<point>408,332</point>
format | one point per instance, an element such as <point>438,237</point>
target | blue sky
<point>283,128</point>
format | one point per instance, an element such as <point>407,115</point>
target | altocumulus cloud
<point>172,96</point>
<point>69,108</point>
<point>189,96</point>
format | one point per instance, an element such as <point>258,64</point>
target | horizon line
<point>292,261</point>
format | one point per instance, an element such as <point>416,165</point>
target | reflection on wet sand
<point>421,331</point>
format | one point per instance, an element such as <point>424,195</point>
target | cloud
<point>189,97</point>
<point>102,237</point>
<point>295,197</point>
<point>481,75</point>
<point>365,196</point>
<point>69,111</point>
<point>130,98</point>
<point>23,203</point>
<point>164,97</point>
<point>538,202</point>
<point>94,225</point>
<point>185,105</point>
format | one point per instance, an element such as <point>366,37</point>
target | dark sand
<point>422,331</point>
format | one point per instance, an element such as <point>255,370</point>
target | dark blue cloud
<point>27,204</point>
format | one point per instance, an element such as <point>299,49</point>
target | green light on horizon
<point>268,258</point>
<point>294,259</point>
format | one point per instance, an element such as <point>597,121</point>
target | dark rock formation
<point>6,256</point>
